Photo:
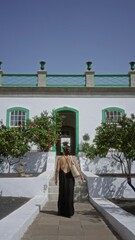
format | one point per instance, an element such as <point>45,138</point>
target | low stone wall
<point>108,187</point>
<point>101,165</point>
<point>16,223</point>
<point>99,189</point>
<point>29,186</point>
<point>33,162</point>
<point>121,221</point>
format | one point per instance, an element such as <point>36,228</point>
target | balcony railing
<point>112,80</point>
<point>65,80</point>
<point>90,79</point>
<point>23,80</point>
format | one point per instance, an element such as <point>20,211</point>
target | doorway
<point>70,131</point>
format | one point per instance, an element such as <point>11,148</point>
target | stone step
<point>52,189</point>
<point>80,191</point>
<point>77,182</point>
<point>81,197</point>
<point>77,197</point>
<point>53,197</point>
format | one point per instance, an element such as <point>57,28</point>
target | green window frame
<point>112,114</point>
<point>16,116</point>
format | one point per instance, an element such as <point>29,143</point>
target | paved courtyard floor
<point>86,224</point>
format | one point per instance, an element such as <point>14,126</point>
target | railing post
<point>42,75</point>
<point>132,74</point>
<point>89,75</point>
<point>1,73</point>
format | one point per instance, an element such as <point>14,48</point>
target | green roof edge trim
<point>65,75</point>
<point>111,75</point>
<point>19,75</point>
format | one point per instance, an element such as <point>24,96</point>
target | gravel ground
<point>126,204</point>
<point>10,204</point>
<point>16,175</point>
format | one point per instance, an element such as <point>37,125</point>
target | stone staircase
<point>80,194</point>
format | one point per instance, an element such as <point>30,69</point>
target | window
<point>112,114</point>
<point>16,116</point>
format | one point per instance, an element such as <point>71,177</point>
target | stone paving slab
<point>86,224</point>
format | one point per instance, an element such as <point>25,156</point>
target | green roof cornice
<point>19,75</point>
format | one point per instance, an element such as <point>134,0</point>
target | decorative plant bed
<point>10,204</point>
<point>16,175</point>
<point>114,175</point>
<point>126,204</point>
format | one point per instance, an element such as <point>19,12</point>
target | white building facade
<point>85,100</point>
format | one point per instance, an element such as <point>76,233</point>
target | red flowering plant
<point>44,130</point>
<point>13,144</point>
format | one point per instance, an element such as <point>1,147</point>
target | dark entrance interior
<point>68,132</point>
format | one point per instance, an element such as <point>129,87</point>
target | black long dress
<point>66,194</point>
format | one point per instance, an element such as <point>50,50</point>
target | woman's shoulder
<point>60,158</point>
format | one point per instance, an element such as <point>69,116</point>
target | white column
<point>132,74</point>
<point>89,78</point>
<point>132,78</point>
<point>1,81</point>
<point>42,75</point>
<point>42,78</point>
<point>89,75</point>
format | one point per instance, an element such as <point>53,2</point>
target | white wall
<point>110,186</point>
<point>102,165</point>
<point>29,186</point>
<point>24,186</point>
<point>90,109</point>
<point>33,162</point>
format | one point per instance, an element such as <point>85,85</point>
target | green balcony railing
<point>65,80</point>
<point>111,80</point>
<point>24,80</point>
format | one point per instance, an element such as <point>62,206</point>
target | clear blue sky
<point>66,34</point>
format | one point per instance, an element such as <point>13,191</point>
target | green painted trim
<point>13,109</point>
<point>19,75</point>
<point>19,85</point>
<point>65,75</point>
<point>77,124</point>
<point>65,85</point>
<point>111,85</point>
<point>111,75</point>
<point>111,108</point>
